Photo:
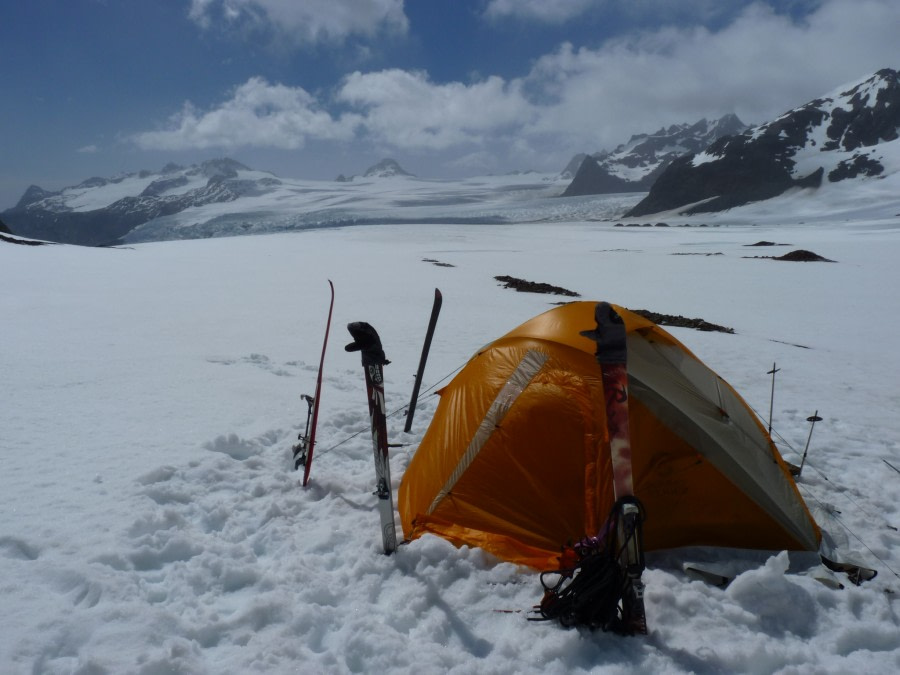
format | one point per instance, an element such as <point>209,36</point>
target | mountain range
<point>847,138</point>
<point>98,211</point>
<point>634,166</point>
<point>386,168</point>
<point>851,133</point>
<point>101,211</point>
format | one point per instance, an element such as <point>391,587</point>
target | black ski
<point>303,450</point>
<point>367,342</point>
<point>432,322</point>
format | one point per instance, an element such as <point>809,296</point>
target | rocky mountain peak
<point>635,165</point>
<point>836,136</point>
<point>386,168</point>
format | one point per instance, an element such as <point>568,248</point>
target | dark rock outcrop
<point>762,163</point>
<point>634,166</point>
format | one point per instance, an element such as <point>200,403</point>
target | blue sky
<point>314,88</point>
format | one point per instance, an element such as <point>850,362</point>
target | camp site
<point>160,522</point>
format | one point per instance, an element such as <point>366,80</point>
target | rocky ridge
<point>844,135</point>
<point>635,165</point>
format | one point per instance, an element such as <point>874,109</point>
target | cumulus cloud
<point>258,114</point>
<point>303,22</point>
<point>574,99</point>
<point>406,109</point>
<point>758,66</point>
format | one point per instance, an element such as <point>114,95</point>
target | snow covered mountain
<point>848,135</point>
<point>635,165</point>
<point>100,210</point>
<point>386,168</point>
<point>224,198</point>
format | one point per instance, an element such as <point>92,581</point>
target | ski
<point>367,342</point>
<point>429,334</point>
<point>303,450</point>
<point>612,355</point>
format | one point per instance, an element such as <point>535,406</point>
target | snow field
<point>150,396</point>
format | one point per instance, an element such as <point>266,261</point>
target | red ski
<point>612,355</point>
<point>303,450</point>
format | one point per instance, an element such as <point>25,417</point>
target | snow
<point>299,204</point>
<point>151,394</point>
<point>91,198</point>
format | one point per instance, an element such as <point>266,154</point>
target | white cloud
<point>88,149</point>
<point>303,21</point>
<point>548,11</point>
<point>660,11</point>
<point>758,66</point>
<point>407,110</point>
<point>258,114</point>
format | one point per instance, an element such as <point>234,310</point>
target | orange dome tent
<point>516,459</point>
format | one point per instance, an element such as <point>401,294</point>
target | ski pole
<point>772,397</point>
<point>429,334</point>
<point>815,418</point>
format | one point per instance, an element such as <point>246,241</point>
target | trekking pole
<point>772,397</point>
<point>815,418</point>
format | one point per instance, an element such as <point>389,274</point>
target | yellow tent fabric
<point>516,459</point>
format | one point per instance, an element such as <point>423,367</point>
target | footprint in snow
<point>18,549</point>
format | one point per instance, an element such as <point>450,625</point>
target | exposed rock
<point>573,166</point>
<point>524,286</point>
<point>21,242</point>
<point>800,255</point>
<point>634,166</point>
<point>386,168</point>
<point>859,165</point>
<point>762,163</point>
<point>681,322</point>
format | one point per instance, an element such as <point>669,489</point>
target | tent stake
<point>815,418</point>
<point>772,397</point>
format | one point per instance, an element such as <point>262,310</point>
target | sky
<point>449,88</point>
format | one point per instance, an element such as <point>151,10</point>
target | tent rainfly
<point>516,459</point>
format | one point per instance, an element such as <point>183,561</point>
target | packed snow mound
<point>850,134</point>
